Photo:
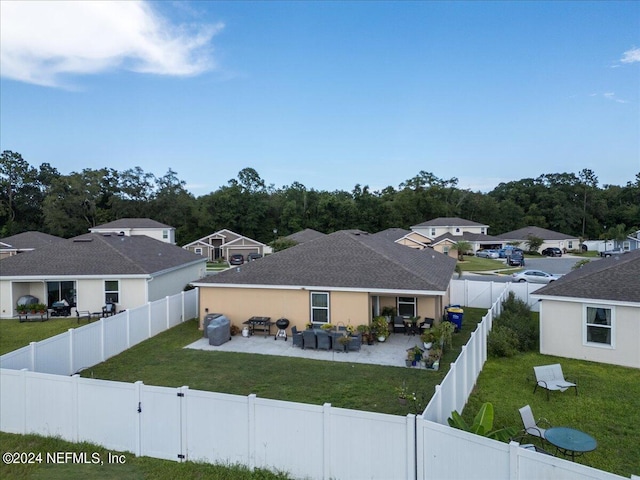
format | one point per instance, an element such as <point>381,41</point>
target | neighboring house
<point>224,243</point>
<point>454,225</point>
<point>629,244</point>
<point>405,237</point>
<point>550,238</point>
<point>305,235</point>
<point>593,313</point>
<point>91,270</point>
<point>444,232</point>
<point>25,242</point>
<point>138,226</point>
<point>346,277</point>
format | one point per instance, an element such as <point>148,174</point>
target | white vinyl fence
<point>478,294</point>
<point>83,347</point>
<point>310,441</point>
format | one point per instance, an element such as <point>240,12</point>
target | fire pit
<point>282,324</point>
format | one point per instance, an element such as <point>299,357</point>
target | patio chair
<point>551,377</point>
<point>323,340</point>
<point>398,324</point>
<point>356,342</point>
<point>531,425</point>
<point>109,309</point>
<point>296,336</point>
<point>529,446</point>
<point>308,339</point>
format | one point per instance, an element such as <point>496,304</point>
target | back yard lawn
<point>14,335</point>
<point>607,406</point>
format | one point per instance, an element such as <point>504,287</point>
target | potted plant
<point>380,328</point>
<point>326,327</point>
<point>433,359</point>
<point>446,330</point>
<point>22,309</point>
<point>404,394</point>
<point>388,313</point>
<point>411,358</point>
<point>430,337</point>
<point>344,341</point>
<point>309,325</point>
<point>365,331</point>
<point>41,308</point>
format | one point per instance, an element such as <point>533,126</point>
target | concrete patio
<point>392,351</point>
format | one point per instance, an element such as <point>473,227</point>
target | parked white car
<point>534,276</point>
<point>487,253</point>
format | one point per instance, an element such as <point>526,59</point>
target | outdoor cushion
<point>552,378</point>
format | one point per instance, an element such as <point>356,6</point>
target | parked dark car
<point>552,252</point>
<point>516,259</point>
<point>236,259</point>
<point>253,256</point>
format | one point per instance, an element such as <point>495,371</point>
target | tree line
<point>43,199</point>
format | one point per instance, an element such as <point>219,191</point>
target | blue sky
<point>329,94</point>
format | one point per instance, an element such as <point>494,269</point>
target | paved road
<point>555,265</point>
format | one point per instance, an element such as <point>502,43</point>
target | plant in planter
<point>388,312</point>
<point>430,338</point>
<point>326,327</point>
<point>380,328</point>
<point>22,309</point>
<point>344,341</point>
<point>446,333</point>
<point>404,394</point>
<point>234,330</point>
<point>308,325</point>
<point>40,308</point>
<point>415,354</point>
<point>365,331</point>
<point>432,360</point>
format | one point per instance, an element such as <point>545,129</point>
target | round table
<point>570,441</point>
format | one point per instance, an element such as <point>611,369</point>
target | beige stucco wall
<point>90,295</point>
<point>10,292</point>
<point>561,334</point>
<point>239,304</point>
<point>440,248</point>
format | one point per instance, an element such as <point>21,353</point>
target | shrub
<point>516,316</point>
<point>502,342</point>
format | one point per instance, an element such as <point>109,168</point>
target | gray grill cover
<point>218,328</point>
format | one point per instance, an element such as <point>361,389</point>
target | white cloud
<point>42,41</point>
<point>631,56</point>
<point>612,96</point>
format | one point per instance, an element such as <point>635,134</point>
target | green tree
<point>534,242</point>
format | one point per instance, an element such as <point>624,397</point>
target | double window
<point>59,291</point>
<point>599,325</point>
<point>320,307</point>
<point>111,291</point>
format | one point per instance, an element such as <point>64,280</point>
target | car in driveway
<point>253,256</point>
<point>489,253</point>
<point>236,259</point>
<point>534,276</point>
<point>552,252</point>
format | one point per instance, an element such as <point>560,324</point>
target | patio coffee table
<point>569,441</point>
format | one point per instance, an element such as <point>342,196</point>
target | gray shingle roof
<point>449,222</point>
<point>305,235</point>
<point>97,254</point>
<point>133,223</point>
<point>28,240</point>
<point>348,260</point>
<point>615,278</point>
<point>392,234</point>
<point>545,234</point>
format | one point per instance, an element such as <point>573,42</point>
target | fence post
<point>71,347</point>
<point>138,425</point>
<point>439,404</point>
<point>33,346</point>
<point>513,459</point>
<point>453,368</point>
<point>128,325</point>
<point>326,440</point>
<point>184,403</point>
<point>251,431</point>
<point>75,378</point>
<point>182,315</point>
<point>412,447</point>
<point>167,312</point>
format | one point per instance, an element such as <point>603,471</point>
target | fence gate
<point>160,422</point>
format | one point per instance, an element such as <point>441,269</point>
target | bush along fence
<point>83,347</point>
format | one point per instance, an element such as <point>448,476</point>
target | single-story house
<point>224,243</point>
<point>593,313</point>
<point>445,242</point>
<point>629,244</point>
<point>304,235</point>
<point>92,270</point>
<point>25,242</point>
<point>138,226</point>
<point>550,238</point>
<point>346,277</point>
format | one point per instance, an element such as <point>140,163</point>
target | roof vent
<point>82,240</point>
<point>121,234</point>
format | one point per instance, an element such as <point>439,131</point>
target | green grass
<point>607,406</point>
<point>14,335</point>
<point>134,468</point>
<point>478,264</point>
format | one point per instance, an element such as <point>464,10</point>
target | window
<point>59,291</point>
<point>599,325</point>
<point>319,307</point>
<point>111,291</point>
<point>197,251</point>
<point>433,231</point>
<point>457,230</point>
<point>165,234</point>
<point>626,246</point>
<point>482,230</point>
<point>445,249</point>
<point>570,244</point>
<point>407,306</point>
